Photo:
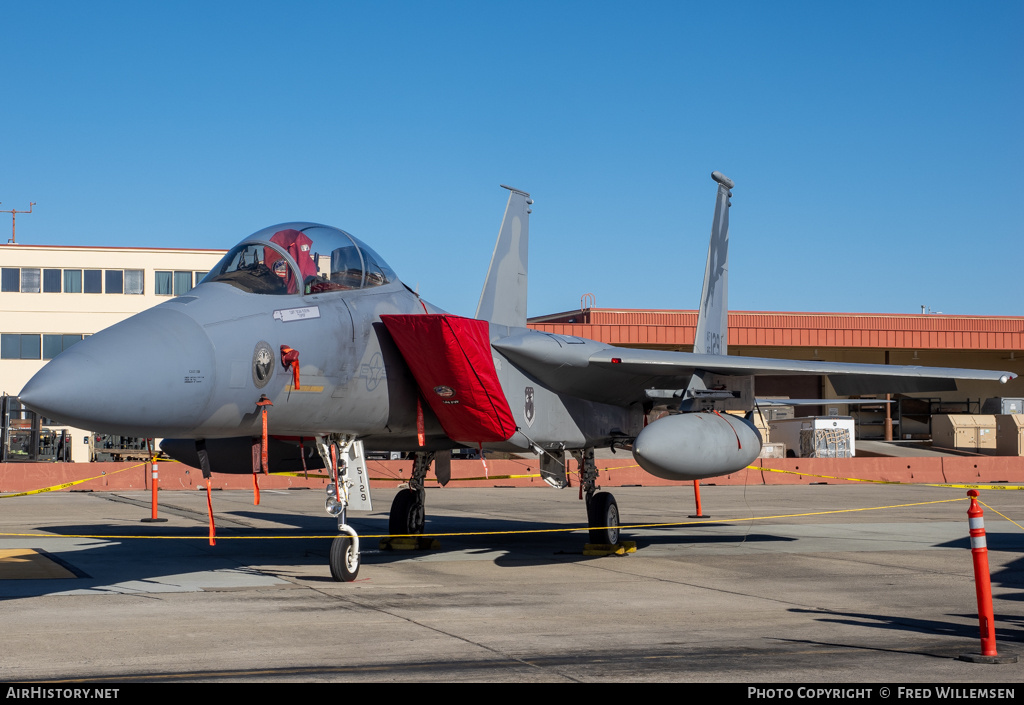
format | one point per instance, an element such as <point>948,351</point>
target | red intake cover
<point>450,357</point>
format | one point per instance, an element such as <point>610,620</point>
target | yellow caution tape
<point>891,482</point>
<point>205,537</point>
<point>1003,515</point>
<point>65,485</point>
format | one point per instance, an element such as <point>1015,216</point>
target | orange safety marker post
<point>696,496</point>
<point>209,510</point>
<point>257,463</point>
<point>480,448</point>
<point>421,438</point>
<point>983,588</point>
<point>154,477</point>
<point>262,404</point>
<point>302,454</point>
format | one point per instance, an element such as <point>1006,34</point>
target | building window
<point>51,281</point>
<point>92,281</point>
<point>176,283</point>
<point>164,283</point>
<point>72,281</point>
<point>115,281</point>
<point>30,280</point>
<point>19,346</point>
<point>199,277</point>
<point>54,345</point>
<point>134,281</point>
<point>10,346</point>
<point>10,279</point>
<point>182,283</point>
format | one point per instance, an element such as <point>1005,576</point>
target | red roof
<point>845,330</point>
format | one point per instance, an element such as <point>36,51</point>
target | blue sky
<point>876,146</point>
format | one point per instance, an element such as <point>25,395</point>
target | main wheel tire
<point>344,559</point>
<point>603,515</point>
<point>407,514</point>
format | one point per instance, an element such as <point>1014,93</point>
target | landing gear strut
<point>344,555</point>
<point>602,510</point>
<point>408,514</point>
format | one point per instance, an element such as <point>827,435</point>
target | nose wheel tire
<point>603,517</point>
<point>408,515</point>
<point>344,559</point>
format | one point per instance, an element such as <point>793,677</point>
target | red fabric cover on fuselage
<point>450,357</point>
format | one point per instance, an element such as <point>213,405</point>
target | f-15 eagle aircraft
<point>309,321</point>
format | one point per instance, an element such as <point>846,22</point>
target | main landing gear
<point>408,514</point>
<point>603,517</point>
<point>602,510</point>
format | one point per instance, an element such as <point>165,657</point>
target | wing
<point>623,376</point>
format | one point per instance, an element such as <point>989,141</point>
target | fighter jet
<point>303,338</point>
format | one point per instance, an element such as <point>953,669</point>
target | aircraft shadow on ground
<point>968,628</point>
<point>997,541</point>
<point>1010,576</point>
<point>299,543</point>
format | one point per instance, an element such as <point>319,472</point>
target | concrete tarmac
<point>768,590</point>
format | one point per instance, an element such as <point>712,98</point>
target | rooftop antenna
<point>13,216</point>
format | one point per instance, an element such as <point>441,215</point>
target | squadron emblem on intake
<point>529,411</point>
<point>262,364</point>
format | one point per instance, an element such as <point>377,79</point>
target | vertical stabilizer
<point>712,336</point>
<point>503,299</point>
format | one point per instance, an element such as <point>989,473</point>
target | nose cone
<point>151,375</point>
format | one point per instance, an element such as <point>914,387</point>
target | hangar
<point>935,340</point>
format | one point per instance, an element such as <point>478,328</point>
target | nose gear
<point>349,488</point>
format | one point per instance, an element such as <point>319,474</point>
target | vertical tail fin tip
<point>503,299</point>
<point>722,179</point>
<point>712,336</point>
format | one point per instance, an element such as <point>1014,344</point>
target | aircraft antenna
<point>13,216</point>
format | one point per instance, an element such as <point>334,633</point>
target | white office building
<point>53,296</point>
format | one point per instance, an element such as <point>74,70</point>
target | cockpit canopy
<point>301,258</point>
